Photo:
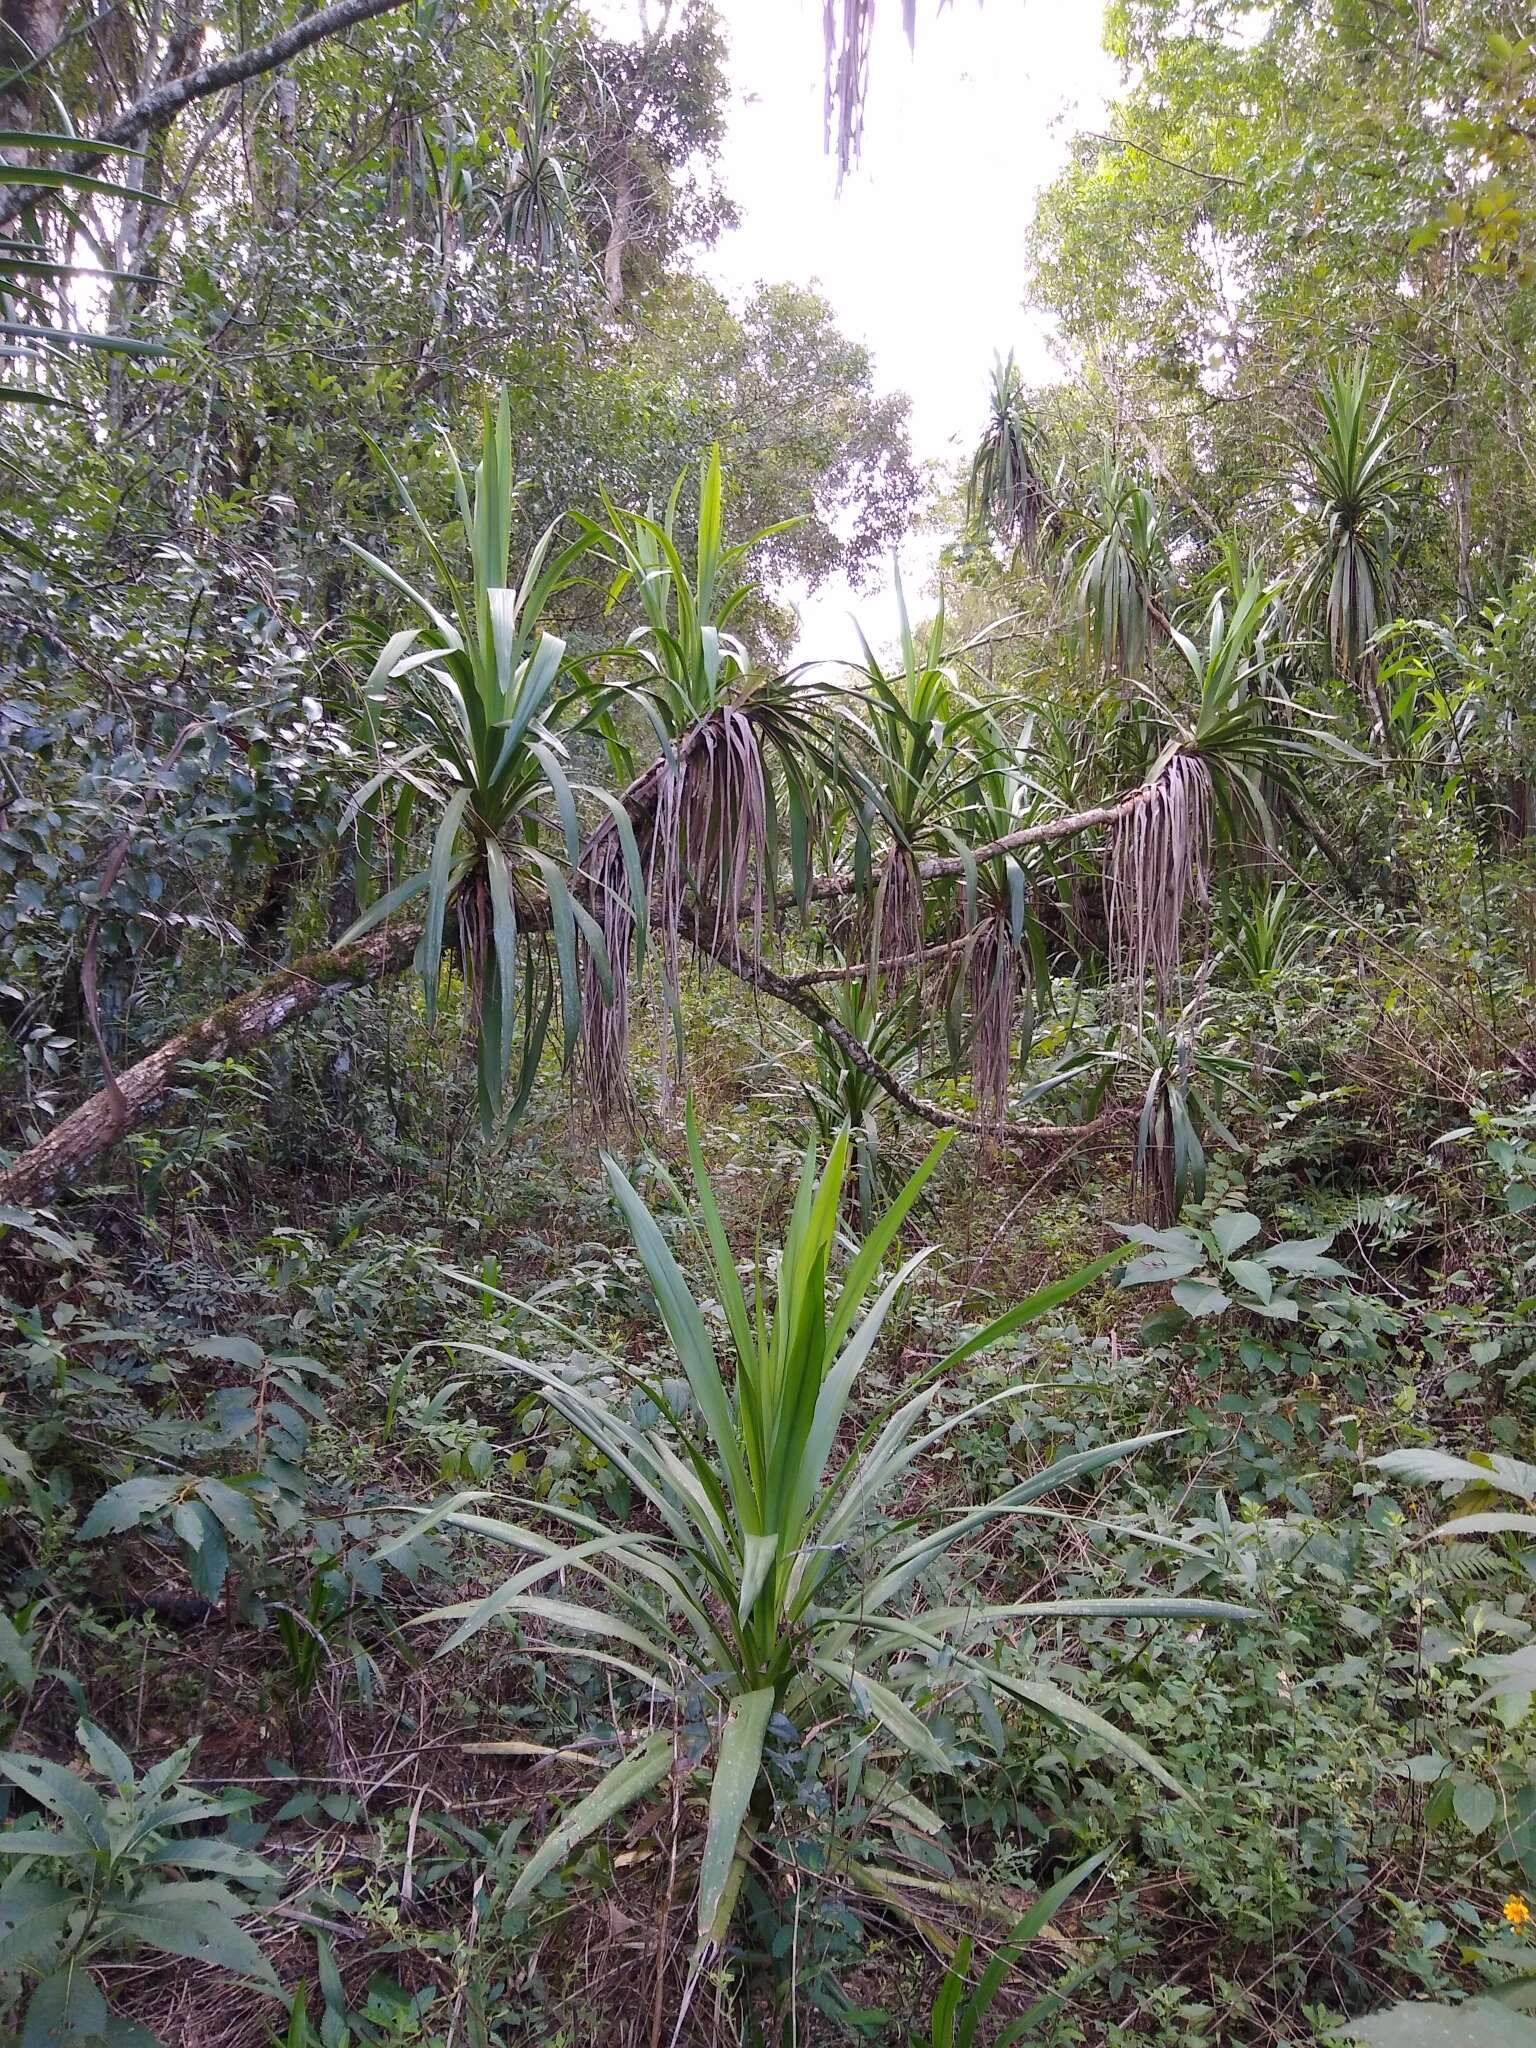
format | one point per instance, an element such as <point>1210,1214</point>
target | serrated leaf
<point>126,1505</point>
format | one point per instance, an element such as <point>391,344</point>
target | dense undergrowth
<point>1356,1808</point>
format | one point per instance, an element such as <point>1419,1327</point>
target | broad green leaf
<point>16,1654</point>
<point>34,1913</point>
<point>193,1919</point>
<point>893,1714</point>
<point>1479,2023</point>
<point>104,1755</point>
<point>1232,1230</point>
<point>1476,1805</point>
<point>65,2007</point>
<point>1200,1297</point>
<point>63,1792</point>
<point>235,1509</point>
<point>126,1505</point>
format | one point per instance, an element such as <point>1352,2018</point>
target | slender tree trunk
<point>619,231</point>
<point>27,29</point>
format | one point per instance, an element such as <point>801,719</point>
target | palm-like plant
<point>1265,934</point>
<point>846,1096</point>
<point>772,1594</point>
<point>727,736</point>
<point>1120,568</point>
<point>929,736</point>
<point>1007,493</point>
<point>1002,963</point>
<point>538,214</point>
<point>1181,1109</point>
<point>1222,749</point>
<point>474,694</point>
<point>1361,479</point>
<point>39,329</point>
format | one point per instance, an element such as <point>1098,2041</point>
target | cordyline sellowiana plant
<point>473,695</point>
<point>772,1589</point>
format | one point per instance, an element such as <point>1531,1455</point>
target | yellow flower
<point>1516,1911</point>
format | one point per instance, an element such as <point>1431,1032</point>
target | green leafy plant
<point>1181,1110</point>
<point>1362,477</point>
<point>118,1872</point>
<point>772,1594</point>
<point>1265,935</point>
<point>1480,1488</point>
<point>929,736</point>
<point>845,1095</point>
<point>729,735</point>
<point>1215,1268</point>
<point>1120,568</point>
<point>1007,492</point>
<point>41,330</point>
<point>474,695</point>
<point>268,1419</point>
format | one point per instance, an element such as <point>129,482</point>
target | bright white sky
<point>921,252</point>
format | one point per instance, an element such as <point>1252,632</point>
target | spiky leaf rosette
<point>1361,478</point>
<point>463,710</point>
<point>1007,493</point>
<point>736,744</point>
<point>1235,739</point>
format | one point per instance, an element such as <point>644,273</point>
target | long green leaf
<point>736,1772</point>
<point>629,1780</point>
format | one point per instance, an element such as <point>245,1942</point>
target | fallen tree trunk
<point>293,992</point>
<point>108,1116</point>
<point>946,866</point>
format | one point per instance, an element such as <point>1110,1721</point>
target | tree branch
<point>293,992</point>
<point>795,996</point>
<point>941,867</point>
<point>167,100</point>
<point>1173,162</point>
